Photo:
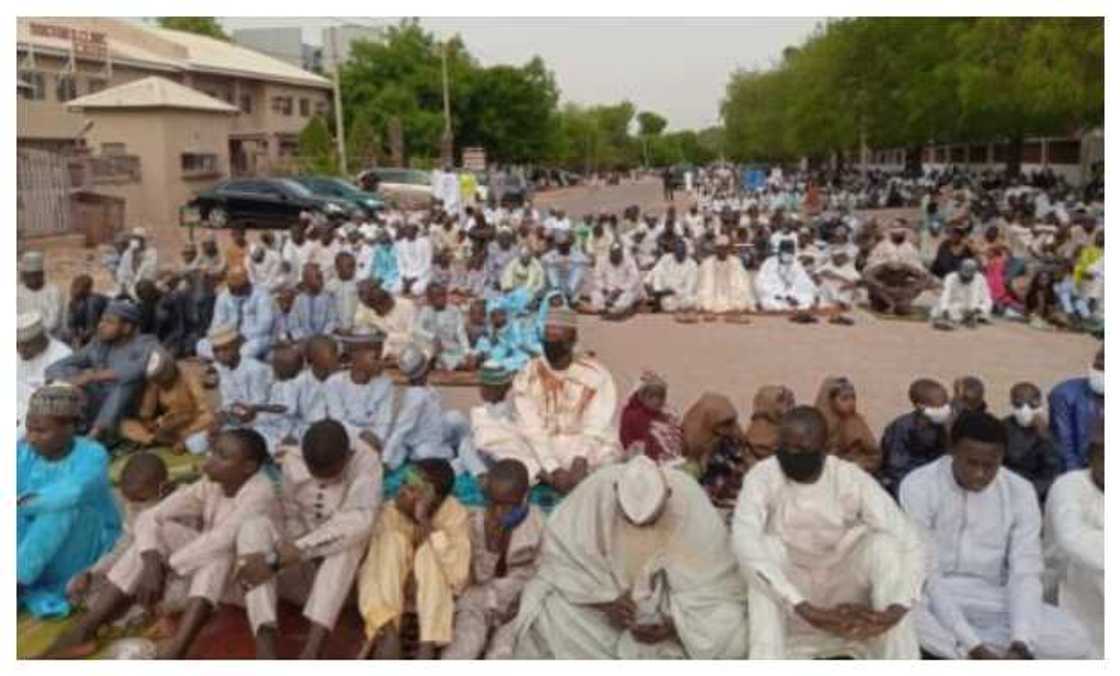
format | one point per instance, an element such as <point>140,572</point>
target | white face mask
<point>1096,380</point>
<point>1025,415</point>
<point>939,415</point>
<point>785,259</point>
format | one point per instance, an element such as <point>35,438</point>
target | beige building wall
<point>160,140</point>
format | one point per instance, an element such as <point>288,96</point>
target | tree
<point>651,124</point>
<point>317,154</point>
<point>362,144</point>
<point>202,25</point>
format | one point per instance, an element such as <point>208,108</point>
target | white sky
<point>676,67</point>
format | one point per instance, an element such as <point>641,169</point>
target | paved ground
<point>881,357</point>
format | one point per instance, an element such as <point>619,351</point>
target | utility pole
<point>447,147</point>
<point>340,131</point>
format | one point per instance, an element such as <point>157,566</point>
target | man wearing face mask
<point>782,283</point>
<point>832,563</point>
<point>965,299</point>
<point>1031,452</point>
<point>1076,406</point>
<point>918,437</point>
<point>983,595</point>
<point>566,404</point>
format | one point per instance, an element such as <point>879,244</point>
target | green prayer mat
<point>180,468</point>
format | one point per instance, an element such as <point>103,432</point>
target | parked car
<point>406,187</point>
<point>263,203</point>
<point>330,186</point>
<point>515,192</point>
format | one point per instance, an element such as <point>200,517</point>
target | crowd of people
<point>558,519</point>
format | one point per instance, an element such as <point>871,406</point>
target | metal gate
<point>43,184</point>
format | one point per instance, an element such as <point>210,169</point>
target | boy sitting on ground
<point>330,491</point>
<point>143,483</point>
<point>420,553</point>
<point>232,491</point>
<point>505,540</point>
<point>173,410</point>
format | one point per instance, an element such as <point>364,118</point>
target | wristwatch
<point>272,560</point>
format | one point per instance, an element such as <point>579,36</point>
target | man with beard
<point>109,369</point>
<point>566,404</point>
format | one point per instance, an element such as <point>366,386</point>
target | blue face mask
<point>515,517</point>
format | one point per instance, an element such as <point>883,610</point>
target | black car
<point>263,203</point>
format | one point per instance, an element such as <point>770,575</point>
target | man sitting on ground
<point>617,285</point>
<point>566,404</point>
<point>619,576</point>
<point>965,300</point>
<point>833,564</point>
<point>723,284</point>
<point>672,282</point>
<point>110,369</point>
<point>983,597</point>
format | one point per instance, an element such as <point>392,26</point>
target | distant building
<point>342,38</point>
<point>247,121</point>
<point>285,44</point>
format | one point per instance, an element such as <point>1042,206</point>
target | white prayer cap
<point>156,362</point>
<point>412,361</point>
<point>32,261</point>
<point>642,489</point>
<point>29,326</point>
<point>140,232</point>
<point>723,240</point>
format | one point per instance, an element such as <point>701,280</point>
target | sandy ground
<point>881,357</point>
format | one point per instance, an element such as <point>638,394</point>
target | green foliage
<point>202,25</point>
<point>907,81</point>
<point>317,152</point>
<point>651,124</point>
<point>362,145</point>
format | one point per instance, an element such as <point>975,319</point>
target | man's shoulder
<point>1070,389</point>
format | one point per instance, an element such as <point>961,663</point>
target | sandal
<point>803,318</point>
<point>841,320</point>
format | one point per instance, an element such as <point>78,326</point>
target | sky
<point>676,67</point>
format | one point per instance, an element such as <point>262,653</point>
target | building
<point>340,40</point>
<point>62,60</point>
<point>175,136</point>
<point>285,44</point>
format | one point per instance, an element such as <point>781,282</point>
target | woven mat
<point>180,468</point>
<point>440,378</point>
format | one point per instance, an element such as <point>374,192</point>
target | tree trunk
<point>1014,155</point>
<point>914,160</point>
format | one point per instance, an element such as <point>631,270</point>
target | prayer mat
<point>917,314</point>
<point>439,378</point>
<point>466,489</point>
<point>34,635</point>
<point>180,468</point>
